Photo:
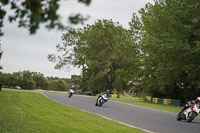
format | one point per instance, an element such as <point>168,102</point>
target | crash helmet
<point>198,99</point>
<point>107,91</point>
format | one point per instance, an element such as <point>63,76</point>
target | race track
<point>147,119</point>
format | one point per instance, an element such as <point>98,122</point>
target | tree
<point>17,79</point>
<point>27,80</point>
<point>11,80</point>
<point>40,80</point>
<point>76,80</point>
<point>58,85</point>
<point>31,13</point>
<point>169,41</point>
<point>105,51</point>
<point>4,79</point>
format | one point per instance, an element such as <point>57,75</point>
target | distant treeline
<point>36,80</point>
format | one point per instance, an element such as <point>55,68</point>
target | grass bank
<point>28,112</point>
<point>140,102</point>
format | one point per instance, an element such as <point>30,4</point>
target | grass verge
<point>140,102</point>
<point>28,112</point>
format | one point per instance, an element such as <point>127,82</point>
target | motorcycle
<point>71,92</point>
<point>189,112</point>
<point>102,99</point>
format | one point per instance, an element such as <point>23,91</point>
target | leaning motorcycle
<point>102,99</point>
<point>189,112</point>
<point>71,92</point>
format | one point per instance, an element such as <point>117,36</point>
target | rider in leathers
<point>107,92</point>
<point>197,101</point>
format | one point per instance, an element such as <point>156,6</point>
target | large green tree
<point>169,33</point>
<point>40,80</point>
<point>27,80</point>
<point>105,51</point>
<point>4,79</point>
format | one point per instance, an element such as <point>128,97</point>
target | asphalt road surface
<point>147,119</point>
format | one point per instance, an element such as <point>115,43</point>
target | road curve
<point>147,119</point>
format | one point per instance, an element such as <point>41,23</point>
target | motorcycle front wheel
<point>191,116</point>
<point>70,94</point>
<point>180,115</point>
<point>101,102</point>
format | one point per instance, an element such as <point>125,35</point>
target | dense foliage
<point>36,80</point>
<point>170,40</point>
<point>105,51</point>
<point>32,13</point>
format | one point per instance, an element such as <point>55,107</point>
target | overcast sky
<point>22,51</point>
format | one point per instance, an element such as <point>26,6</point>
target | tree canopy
<point>31,14</point>
<point>106,53</point>
<point>170,44</point>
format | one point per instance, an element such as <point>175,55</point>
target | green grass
<point>140,102</point>
<point>28,112</point>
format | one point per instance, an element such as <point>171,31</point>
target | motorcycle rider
<point>192,108</point>
<point>107,92</point>
<point>196,101</point>
<point>72,88</point>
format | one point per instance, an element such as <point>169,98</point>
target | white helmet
<point>107,91</point>
<point>198,99</point>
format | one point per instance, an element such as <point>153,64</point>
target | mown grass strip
<point>140,102</point>
<point>28,112</point>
